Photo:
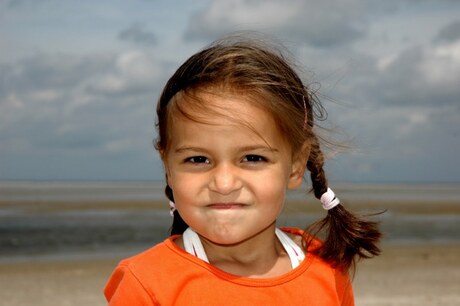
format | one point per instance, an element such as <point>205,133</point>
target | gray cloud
<point>137,34</point>
<point>449,33</point>
<point>419,77</point>
<point>90,113</point>
<point>401,106</point>
<point>46,71</point>
<point>17,3</point>
<point>79,116</point>
<point>317,23</point>
<point>73,103</point>
<point>404,113</point>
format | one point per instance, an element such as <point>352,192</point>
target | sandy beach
<point>78,242</point>
<point>410,275</point>
<point>403,275</point>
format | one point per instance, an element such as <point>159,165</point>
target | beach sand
<point>410,275</point>
<point>425,273</point>
<point>402,275</point>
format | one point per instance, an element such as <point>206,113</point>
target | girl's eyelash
<point>251,158</point>
<point>197,160</point>
<point>254,158</point>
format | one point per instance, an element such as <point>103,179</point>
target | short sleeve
<point>123,288</point>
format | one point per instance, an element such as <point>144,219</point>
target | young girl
<point>236,130</point>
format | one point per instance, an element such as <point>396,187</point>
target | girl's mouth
<point>226,205</point>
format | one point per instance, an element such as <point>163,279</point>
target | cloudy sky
<point>79,81</point>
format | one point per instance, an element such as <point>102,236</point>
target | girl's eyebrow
<point>185,148</point>
<point>241,149</point>
<point>258,147</point>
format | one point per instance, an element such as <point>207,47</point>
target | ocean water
<point>51,220</point>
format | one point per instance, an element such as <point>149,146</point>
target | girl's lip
<point>226,205</point>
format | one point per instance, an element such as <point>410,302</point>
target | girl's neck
<point>261,256</point>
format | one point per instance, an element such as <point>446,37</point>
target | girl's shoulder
<point>134,277</point>
<point>150,266</point>
<point>154,253</point>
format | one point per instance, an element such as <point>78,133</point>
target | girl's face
<point>229,180</point>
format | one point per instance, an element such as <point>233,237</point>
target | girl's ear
<point>299,164</point>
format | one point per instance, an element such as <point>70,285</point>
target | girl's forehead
<point>220,108</point>
<point>195,114</point>
<point>230,110</point>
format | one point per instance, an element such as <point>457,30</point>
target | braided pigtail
<point>179,226</point>
<point>347,237</point>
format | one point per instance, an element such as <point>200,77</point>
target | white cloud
<point>78,104</point>
<point>137,65</point>
<point>441,66</point>
<point>386,60</point>
<point>133,72</point>
<point>413,121</point>
<point>319,23</point>
<point>83,87</point>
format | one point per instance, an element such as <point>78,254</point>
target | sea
<point>67,220</point>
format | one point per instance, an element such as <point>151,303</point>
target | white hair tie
<point>172,208</point>
<point>329,200</point>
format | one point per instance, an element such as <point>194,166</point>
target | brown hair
<point>263,73</point>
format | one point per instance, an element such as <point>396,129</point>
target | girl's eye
<point>197,160</point>
<point>254,158</point>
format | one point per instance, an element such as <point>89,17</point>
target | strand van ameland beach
<point>59,241</point>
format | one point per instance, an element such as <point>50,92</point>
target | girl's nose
<point>225,179</point>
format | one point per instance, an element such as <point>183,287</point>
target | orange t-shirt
<point>167,275</point>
